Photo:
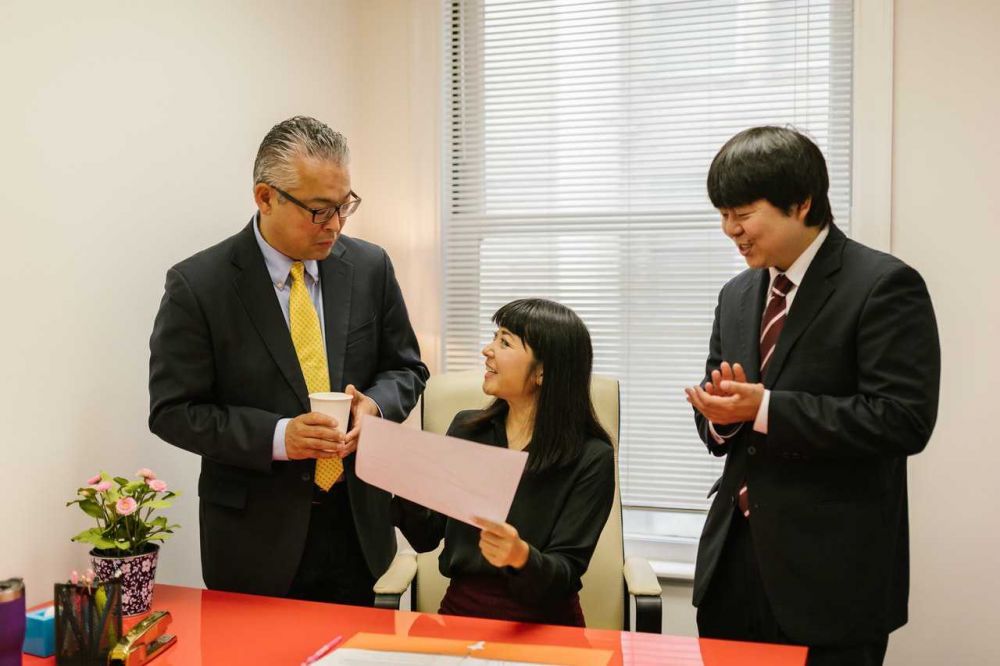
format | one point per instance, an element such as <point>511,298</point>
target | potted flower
<point>125,540</point>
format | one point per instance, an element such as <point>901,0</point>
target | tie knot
<point>298,271</point>
<point>782,285</point>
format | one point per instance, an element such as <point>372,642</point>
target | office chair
<point>611,578</point>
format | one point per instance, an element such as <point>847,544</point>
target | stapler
<point>145,642</point>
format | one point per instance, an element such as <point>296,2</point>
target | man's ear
<point>538,375</point>
<point>801,211</point>
<point>263,196</point>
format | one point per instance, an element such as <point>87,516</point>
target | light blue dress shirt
<point>279,267</point>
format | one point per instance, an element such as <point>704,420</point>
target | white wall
<point>128,133</point>
<point>399,160</point>
<point>945,222</point>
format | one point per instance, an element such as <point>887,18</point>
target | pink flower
<point>146,473</point>
<point>94,480</point>
<point>126,506</point>
<point>102,487</point>
<point>158,486</point>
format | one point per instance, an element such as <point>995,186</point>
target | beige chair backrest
<point>602,593</point>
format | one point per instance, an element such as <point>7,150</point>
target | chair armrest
<point>641,582</point>
<point>640,578</point>
<point>393,583</point>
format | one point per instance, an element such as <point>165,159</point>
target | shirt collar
<point>797,271</point>
<point>279,265</point>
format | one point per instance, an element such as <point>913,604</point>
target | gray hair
<point>295,137</point>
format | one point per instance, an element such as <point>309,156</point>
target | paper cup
<point>337,405</point>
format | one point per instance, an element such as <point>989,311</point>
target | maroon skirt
<point>488,597</point>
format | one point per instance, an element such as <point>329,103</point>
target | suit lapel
<point>752,300</point>
<point>336,276</point>
<point>256,292</point>
<point>810,298</point>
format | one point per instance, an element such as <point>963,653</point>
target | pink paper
<point>460,479</point>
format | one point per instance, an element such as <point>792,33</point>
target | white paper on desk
<point>460,479</point>
<point>356,657</point>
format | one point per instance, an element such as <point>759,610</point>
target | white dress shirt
<point>795,273</point>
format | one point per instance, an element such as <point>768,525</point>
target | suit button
<point>752,450</point>
<point>306,476</point>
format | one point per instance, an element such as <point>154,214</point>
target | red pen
<point>320,653</point>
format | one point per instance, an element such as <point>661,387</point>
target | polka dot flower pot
<point>136,573</point>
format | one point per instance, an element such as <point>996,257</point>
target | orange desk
<point>226,628</point>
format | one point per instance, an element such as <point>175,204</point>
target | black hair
<point>564,417</point>
<point>778,164</point>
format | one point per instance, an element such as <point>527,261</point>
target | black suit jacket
<point>854,391</point>
<point>223,371</point>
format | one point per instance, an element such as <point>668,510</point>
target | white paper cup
<point>337,405</point>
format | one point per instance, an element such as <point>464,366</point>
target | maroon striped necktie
<point>774,319</point>
<point>770,329</point>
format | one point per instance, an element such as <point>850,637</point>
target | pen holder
<point>88,622</point>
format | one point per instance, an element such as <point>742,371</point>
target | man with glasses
<point>246,330</point>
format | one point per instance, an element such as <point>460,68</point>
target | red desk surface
<point>226,628</point>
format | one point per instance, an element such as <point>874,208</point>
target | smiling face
<point>287,227</point>
<point>512,373</point>
<point>765,236</point>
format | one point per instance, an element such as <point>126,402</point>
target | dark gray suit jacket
<point>854,391</point>
<point>223,371</point>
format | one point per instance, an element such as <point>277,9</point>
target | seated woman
<point>528,569</point>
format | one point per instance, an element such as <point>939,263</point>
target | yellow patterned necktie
<point>307,337</point>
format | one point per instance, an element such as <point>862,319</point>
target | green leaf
<point>121,480</point>
<point>133,486</point>
<point>158,504</point>
<point>91,508</point>
<point>94,536</point>
<point>104,544</point>
<point>160,521</point>
<point>87,534</point>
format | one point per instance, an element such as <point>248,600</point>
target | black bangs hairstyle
<point>774,163</point>
<point>564,418</point>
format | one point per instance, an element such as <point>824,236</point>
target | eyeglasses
<point>324,215</point>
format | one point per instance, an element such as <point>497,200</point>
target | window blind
<point>578,137</point>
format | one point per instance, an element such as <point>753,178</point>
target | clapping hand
<point>728,398</point>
